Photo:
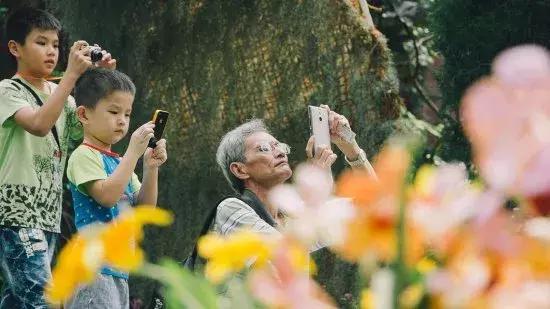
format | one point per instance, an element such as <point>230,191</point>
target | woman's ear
<point>13,47</point>
<point>239,170</point>
<point>81,113</point>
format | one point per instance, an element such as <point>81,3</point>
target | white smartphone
<point>318,125</point>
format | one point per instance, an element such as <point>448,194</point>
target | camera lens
<point>96,54</point>
<point>320,118</point>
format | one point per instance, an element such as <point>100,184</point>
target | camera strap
<point>39,102</point>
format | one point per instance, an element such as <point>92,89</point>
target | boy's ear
<point>13,48</point>
<point>239,170</point>
<point>81,113</point>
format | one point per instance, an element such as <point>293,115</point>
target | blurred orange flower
<point>391,167</point>
<point>488,258</point>
<point>372,233</point>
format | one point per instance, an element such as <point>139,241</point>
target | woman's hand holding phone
<point>324,157</point>
<point>340,130</point>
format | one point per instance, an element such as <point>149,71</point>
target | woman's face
<point>266,159</point>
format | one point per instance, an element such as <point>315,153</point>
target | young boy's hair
<point>21,22</point>
<point>98,83</point>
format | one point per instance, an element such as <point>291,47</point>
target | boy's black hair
<point>97,83</point>
<point>21,22</point>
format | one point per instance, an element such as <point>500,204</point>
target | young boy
<point>103,183</point>
<point>36,122</point>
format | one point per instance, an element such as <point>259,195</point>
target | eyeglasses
<point>266,147</point>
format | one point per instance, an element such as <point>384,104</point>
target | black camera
<point>95,53</point>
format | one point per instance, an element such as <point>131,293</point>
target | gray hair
<point>232,149</point>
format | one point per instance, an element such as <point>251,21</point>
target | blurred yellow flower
<point>367,299</point>
<point>300,260</point>
<point>78,263</point>
<point>230,254</point>
<point>120,238</point>
<point>426,265</point>
<point>424,182</point>
<point>113,244</point>
<point>411,296</point>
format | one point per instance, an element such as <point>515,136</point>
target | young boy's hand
<point>79,60</point>
<point>140,138</point>
<point>154,158</point>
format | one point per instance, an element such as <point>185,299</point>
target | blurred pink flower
<point>497,234</point>
<point>530,294</point>
<point>507,119</point>
<point>285,285</point>
<point>315,217</point>
<point>463,281</point>
<point>524,65</point>
<point>443,203</point>
<point>538,228</point>
<point>441,199</point>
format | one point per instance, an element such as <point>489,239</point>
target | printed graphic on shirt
<point>32,167</point>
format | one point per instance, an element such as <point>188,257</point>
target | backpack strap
<point>190,261</point>
<point>39,102</point>
<point>249,198</point>
<point>259,208</point>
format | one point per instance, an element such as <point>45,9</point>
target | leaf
<point>181,288</point>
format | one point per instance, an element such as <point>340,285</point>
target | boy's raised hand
<point>140,139</point>
<point>79,59</point>
<point>154,158</point>
<point>107,61</point>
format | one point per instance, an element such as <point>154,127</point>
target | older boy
<point>36,122</point>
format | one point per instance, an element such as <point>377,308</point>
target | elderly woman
<point>253,161</point>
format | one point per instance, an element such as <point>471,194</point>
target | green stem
<point>160,274</point>
<point>399,266</point>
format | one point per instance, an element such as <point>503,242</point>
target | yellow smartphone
<point>160,118</point>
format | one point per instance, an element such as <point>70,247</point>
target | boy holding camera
<point>104,183</point>
<point>36,122</point>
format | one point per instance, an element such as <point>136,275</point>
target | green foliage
<point>405,24</point>
<point>3,11</point>
<point>181,288</point>
<point>341,279</point>
<point>214,64</point>
<point>469,34</point>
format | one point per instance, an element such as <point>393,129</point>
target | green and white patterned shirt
<point>32,167</point>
